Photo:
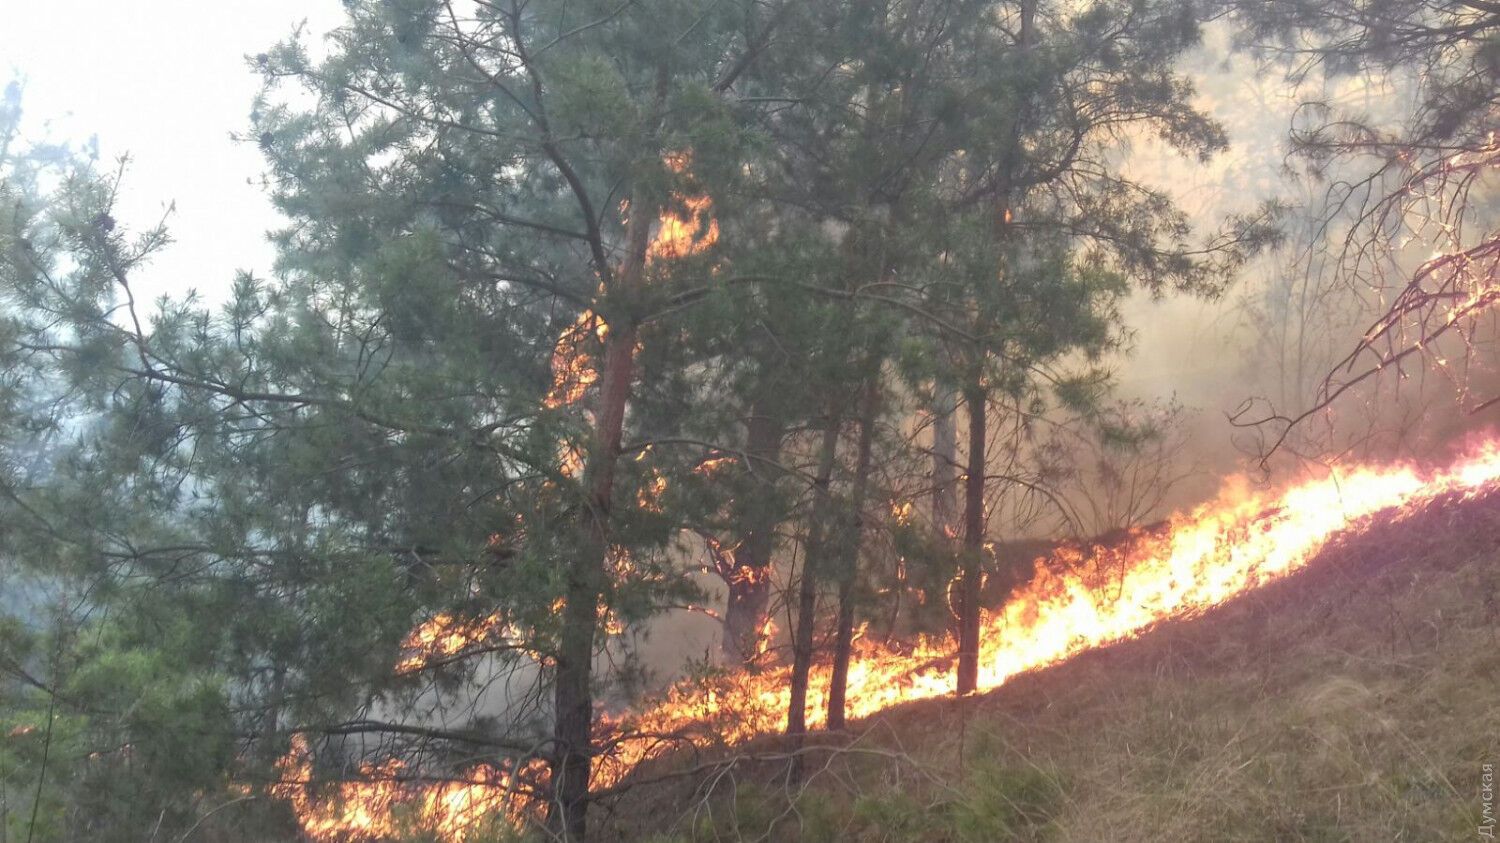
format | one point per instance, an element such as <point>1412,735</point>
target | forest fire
<point>383,802</point>
<point>588,423</point>
<point>446,637</point>
<point>1070,603</point>
<point>1224,548</point>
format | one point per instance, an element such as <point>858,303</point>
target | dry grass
<point>1353,702</point>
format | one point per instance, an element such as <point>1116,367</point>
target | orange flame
<point>385,804</point>
<point>683,234</point>
<point>1242,540</point>
<point>713,465</point>
<point>649,496</point>
<point>679,234</point>
<point>901,512</point>
<point>767,634</point>
<point>445,637</point>
<point>1205,557</point>
<point>573,369</point>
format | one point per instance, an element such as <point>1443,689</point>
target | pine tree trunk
<point>976,396</point>
<point>807,594</point>
<point>586,581</point>
<point>573,701</point>
<point>573,696</point>
<point>849,553</point>
<point>972,571</point>
<point>843,645</point>
<point>749,579</point>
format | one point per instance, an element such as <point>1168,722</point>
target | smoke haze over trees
<point>594,325</point>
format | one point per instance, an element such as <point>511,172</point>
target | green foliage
<point>995,801</point>
<point>131,737</point>
<point>1007,803</point>
<point>897,817</point>
<point>263,497</point>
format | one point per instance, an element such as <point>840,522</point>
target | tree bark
<point>586,578</point>
<point>573,701</point>
<point>849,551</point>
<point>973,556</point>
<point>945,514</point>
<point>807,594</point>
<point>749,576</point>
<point>573,696</point>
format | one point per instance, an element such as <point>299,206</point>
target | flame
<point>1202,558</point>
<point>445,637</point>
<point>649,496</point>
<point>767,634</point>
<point>570,460</point>
<point>690,231</point>
<point>681,234</point>
<point>750,574</point>
<point>573,368</point>
<point>901,513</point>
<point>385,803</point>
<point>713,465</point>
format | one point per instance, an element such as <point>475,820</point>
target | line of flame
<point>1239,541</point>
<point>1236,543</point>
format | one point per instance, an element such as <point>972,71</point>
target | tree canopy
<point>574,303</point>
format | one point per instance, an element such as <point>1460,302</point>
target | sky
<point>166,82</point>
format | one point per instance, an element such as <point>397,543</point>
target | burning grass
<point>1069,605</point>
<point>1355,701</point>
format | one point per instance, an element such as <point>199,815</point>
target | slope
<point>1356,700</point>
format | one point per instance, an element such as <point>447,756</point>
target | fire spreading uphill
<point>1241,540</point>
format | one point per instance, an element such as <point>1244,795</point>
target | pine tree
<point>544,272</point>
<point>1044,233</point>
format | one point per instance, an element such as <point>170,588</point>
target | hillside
<point>1356,700</point>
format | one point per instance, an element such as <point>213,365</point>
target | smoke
<point>1273,334</point>
<point>1282,326</point>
